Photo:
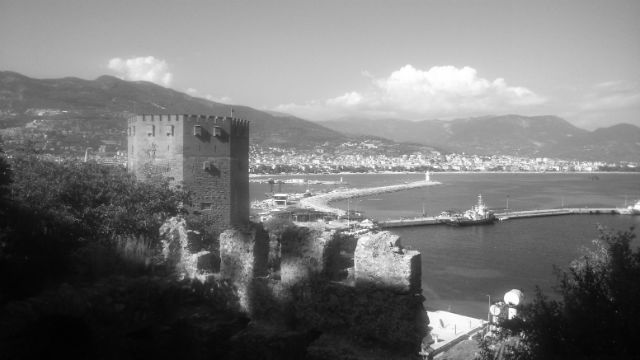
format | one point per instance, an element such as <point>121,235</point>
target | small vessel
<point>631,209</point>
<point>479,214</point>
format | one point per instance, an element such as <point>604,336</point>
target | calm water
<point>461,266</point>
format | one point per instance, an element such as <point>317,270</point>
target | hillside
<point>73,114</point>
<point>101,104</point>
<point>535,136</point>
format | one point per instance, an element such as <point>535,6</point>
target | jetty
<point>508,215</point>
<point>322,202</point>
<point>503,216</point>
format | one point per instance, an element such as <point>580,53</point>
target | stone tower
<point>208,155</point>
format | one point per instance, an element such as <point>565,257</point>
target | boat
<point>631,209</point>
<point>479,214</point>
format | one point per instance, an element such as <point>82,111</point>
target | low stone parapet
<point>380,261</point>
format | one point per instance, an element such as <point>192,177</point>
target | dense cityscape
<point>362,157</point>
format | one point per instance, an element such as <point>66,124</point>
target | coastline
<point>446,172</point>
<point>322,202</point>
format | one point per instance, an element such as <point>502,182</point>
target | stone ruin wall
<point>381,300</point>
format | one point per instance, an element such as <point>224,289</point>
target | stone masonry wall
<point>380,261</point>
<point>303,254</point>
<point>209,155</point>
<point>243,259</point>
<point>155,146</point>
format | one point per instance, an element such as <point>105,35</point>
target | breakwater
<point>502,216</point>
<point>322,202</point>
<point>508,215</point>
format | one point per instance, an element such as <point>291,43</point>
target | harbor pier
<point>503,216</point>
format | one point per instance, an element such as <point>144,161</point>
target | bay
<point>462,266</point>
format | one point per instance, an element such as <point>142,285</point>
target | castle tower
<point>208,155</point>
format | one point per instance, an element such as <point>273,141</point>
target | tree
<point>596,317</point>
<point>77,220</point>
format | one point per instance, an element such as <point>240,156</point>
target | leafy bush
<point>596,318</point>
<point>123,318</point>
<point>75,221</point>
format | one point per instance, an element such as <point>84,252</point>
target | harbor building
<point>207,155</point>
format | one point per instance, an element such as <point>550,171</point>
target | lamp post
<point>489,310</point>
<point>349,213</point>
<point>507,204</point>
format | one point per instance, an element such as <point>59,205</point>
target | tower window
<point>217,131</point>
<point>169,130</point>
<point>151,130</point>
<point>197,130</point>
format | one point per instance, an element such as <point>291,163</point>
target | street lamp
<point>489,309</point>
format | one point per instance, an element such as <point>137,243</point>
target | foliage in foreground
<point>75,221</point>
<point>596,318</point>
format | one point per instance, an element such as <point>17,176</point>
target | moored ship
<point>479,214</point>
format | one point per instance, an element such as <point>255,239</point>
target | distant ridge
<point>101,104</point>
<point>107,99</point>
<point>532,136</point>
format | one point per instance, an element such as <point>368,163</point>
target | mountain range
<point>104,102</point>
<point>108,99</point>
<point>531,136</point>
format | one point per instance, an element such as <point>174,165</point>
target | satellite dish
<point>514,297</point>
<point>494,310</point>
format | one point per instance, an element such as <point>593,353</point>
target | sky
<point>326,60</point>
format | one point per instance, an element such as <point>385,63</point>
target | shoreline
<point>447,172</point>
<point>322,202</point>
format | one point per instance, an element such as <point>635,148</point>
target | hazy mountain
<point>99,106</point>
<point>535,136</point>
<point>103,102</point>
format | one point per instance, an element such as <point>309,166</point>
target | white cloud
<point>605,104</point>
<point>441,91</point>
<point>142,68</point>
<point>612,95</point>
<point>220,99</point>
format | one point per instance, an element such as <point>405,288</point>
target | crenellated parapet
<point>207,154</point>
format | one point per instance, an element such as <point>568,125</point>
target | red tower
<point>207,155</point>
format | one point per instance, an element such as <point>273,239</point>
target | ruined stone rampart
<point>381,303</point>
<point>243,259</point>
<point>303,254</point>
<point>381,262</point>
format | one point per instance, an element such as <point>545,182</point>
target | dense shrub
<point>75,221</point>
<point>123,318</point>
<point>596,316</point>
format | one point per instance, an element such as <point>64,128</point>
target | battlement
<point>207,154</point>
<point>235,126</point>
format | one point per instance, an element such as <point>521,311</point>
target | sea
<point>466,268</point>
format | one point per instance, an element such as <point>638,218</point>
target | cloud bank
<point>607,103</point>
<point>411,93</point>
<point>142,68</point>
<point>219,99</point>
<point>612,95</point>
